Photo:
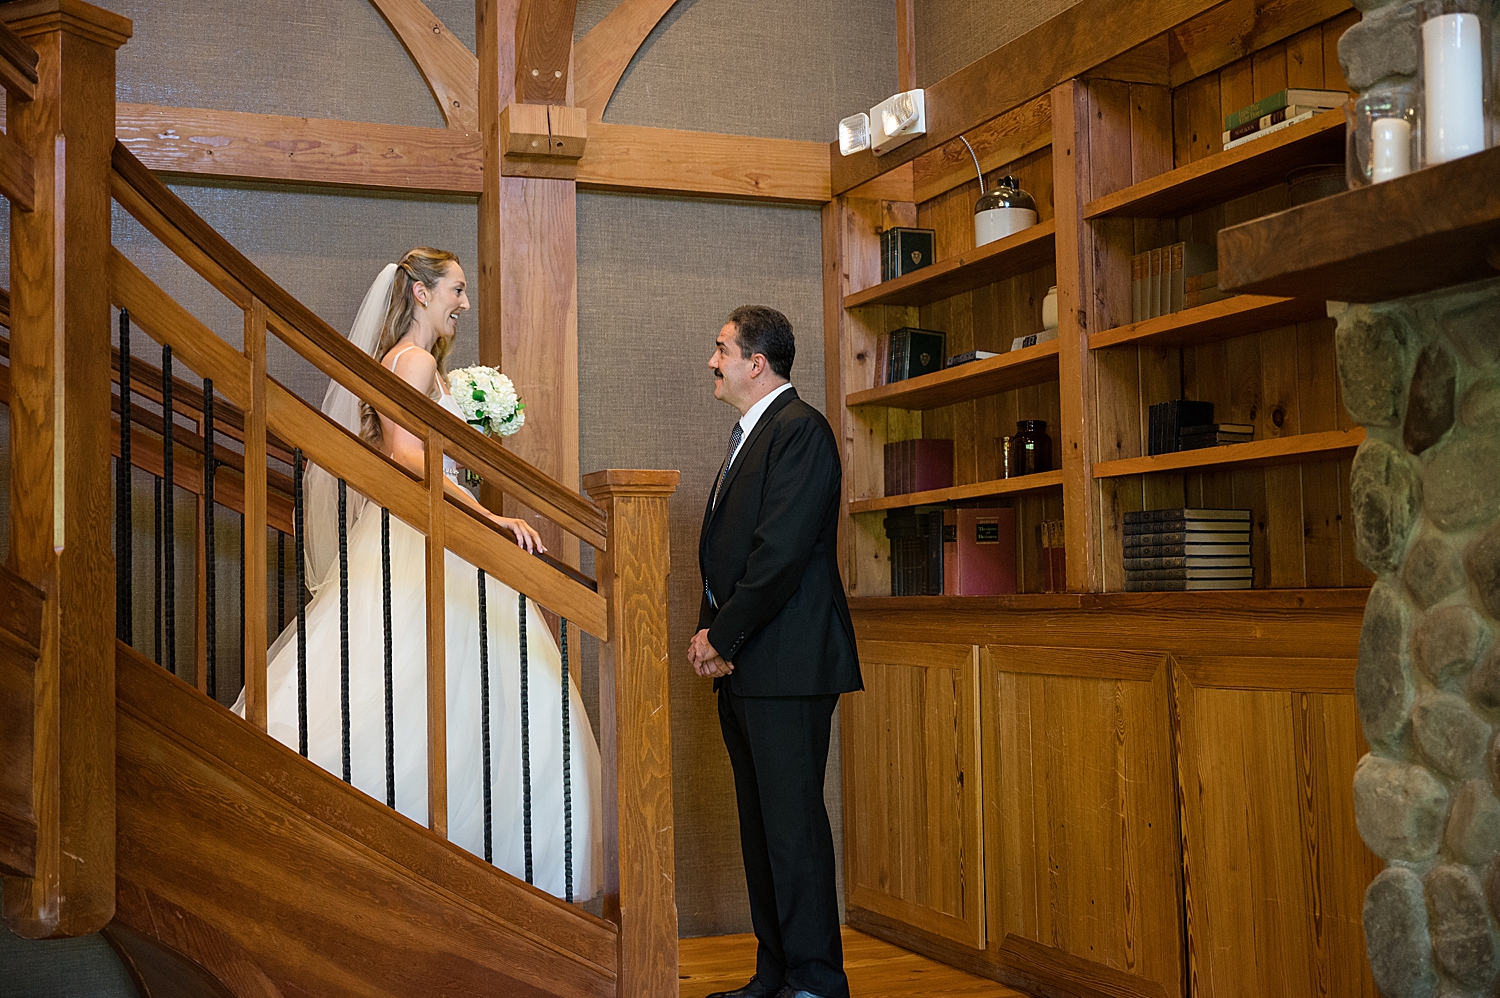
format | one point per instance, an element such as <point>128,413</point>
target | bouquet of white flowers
<point>488,400</point>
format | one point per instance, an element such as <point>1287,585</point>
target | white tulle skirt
<point>465,738</point>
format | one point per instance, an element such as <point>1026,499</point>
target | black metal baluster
<point>299,527</point>
<point>484,721</point>
<point>390,692</point>
<point>567,773</point>
<point>280,582</point>
<point>125,535</point>
<point>344,623</point>
<point>211,569</point>
<point>169,508</point>
<point>156,568</point>
<point>525,742</point>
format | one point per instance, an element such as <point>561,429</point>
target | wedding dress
<point>367,698</point>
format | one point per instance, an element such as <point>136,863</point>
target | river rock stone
<point>1473,834</point>
<point>1471,321</point>
<point>1399,808</point>
<point>1459,483</point>
<point>1386,495</point>
<point>1374,354</point>
<point>1451,736</point>
<point>1381,46</point>
<point>1447,642</point>
<point>1484,683</point>
<point>1432,571</point>
<point>1462,938</point>
<point>1482,562</point>
<point>1382,683</point>
<point>1480,408</point>
<point>1429,403</point>
<point>1396,935</point>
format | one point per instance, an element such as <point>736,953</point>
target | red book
<point>985,552</point>
<point>918,466</point>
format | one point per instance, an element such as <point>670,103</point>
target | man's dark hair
<point>761,329</point>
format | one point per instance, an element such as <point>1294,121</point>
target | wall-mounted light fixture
<point>892,122</point>
<point>854,134</point>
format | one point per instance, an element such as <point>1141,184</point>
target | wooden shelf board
<point>1220,320</point>
<point>976,379</point>
<point>959,493</point>
<point>1027,250</point>
<point>1214,599</point>
<point>1257,453</point>
<point>1226,175</point>
<point>1431,229</point>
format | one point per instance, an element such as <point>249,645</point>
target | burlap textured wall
<point>953,33</point>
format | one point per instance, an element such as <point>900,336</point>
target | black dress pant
<point>778,748</point>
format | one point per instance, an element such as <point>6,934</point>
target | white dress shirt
<point>752,416</point>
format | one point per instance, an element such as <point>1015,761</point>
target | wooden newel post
<point>640,893</point>
<point>60,521</point>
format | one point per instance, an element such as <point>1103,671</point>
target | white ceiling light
<point>854,134</point>
<point>897,120</point>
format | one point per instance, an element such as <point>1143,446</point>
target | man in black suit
<point>775,634</point>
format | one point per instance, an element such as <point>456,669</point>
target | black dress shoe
<point>791,992</point>
<point>755,989</point>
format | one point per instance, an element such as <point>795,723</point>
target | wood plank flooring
<point>876,969</point>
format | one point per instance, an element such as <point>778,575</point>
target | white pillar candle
<point>1390,148</point>
<point>1453,70</point>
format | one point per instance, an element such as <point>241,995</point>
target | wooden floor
<point>876,969</point>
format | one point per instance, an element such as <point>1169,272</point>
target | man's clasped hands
<point>706,661</point>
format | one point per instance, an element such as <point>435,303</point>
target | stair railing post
<point>60,502</point>
<point>640,893</point>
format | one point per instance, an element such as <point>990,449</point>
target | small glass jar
<point>1049,309</point>
<point>1458,69</point>
<point>1384,134</point>
<point>1030,448</point>
<point>1003,211</point>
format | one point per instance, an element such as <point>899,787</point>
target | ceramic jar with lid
<point>1005,210</point>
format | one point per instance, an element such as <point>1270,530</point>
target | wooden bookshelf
<point>963,493</point>
<point>1199,600</point>
<point>976,379</point>
<point>1327,446</point>
<point>1220,320</point>
<point>1431,229</point>
<point>1218,178</point>
<point>1026,250</point>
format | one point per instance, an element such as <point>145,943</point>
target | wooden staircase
<point>214,859</point>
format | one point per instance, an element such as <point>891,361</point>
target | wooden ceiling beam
<point>450,69</point>
<point>544,50</point>
<point>601,57</point>
<point>312,152</point>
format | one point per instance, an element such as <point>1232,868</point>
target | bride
<point>408,320</point>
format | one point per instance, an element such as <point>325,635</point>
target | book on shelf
<point>1207,296</point>
<point>1167,513</point>
<point>1138,564</point>
<point>1032,339</point>
<point>1164,421</point>
<point>904,250</point>
<point>1054,557</point>
<point>1187,526</point>
<point>970,357</point>
<point>983,553</point>
<point>1201,441</point>
<point>913,352</point>
<point>1152,574</point>
<point>1160,278</point>
<point>1189,549</point>
<point>1183,585</point>
<point>1265,121</point>
<point>918,466</point>
<point>1183,537</point>
<point>1269,130</point>
<point>1243,429</point>
<point>916,552</point>
<point>1293,96</point>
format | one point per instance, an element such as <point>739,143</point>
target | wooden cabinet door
<point>912,789</point>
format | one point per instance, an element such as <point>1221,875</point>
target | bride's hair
<point>423,264</point>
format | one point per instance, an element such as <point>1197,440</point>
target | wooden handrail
<point>17,65</point>
<point>304,331</point>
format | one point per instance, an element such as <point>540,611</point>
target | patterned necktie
<point>734,442</point>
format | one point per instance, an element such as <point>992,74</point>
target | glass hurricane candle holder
<point>1384,134</point>
<point>1458,79</point>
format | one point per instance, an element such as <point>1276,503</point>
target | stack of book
<point>1161,280</point>
<point>918,466</point>
<point>908,352</point>
<point>970,357</point>
<point>916,552</point>
<point>1278,111</point>
<point>1165,421</point>
<point>1213,435</point>
<point>1181,549</point>
<point>953,552</point>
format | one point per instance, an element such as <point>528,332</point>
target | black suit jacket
<point>769,552</point>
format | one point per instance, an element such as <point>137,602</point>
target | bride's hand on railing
<point>526,535</point>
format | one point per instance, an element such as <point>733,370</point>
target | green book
<point>1277,101</point>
